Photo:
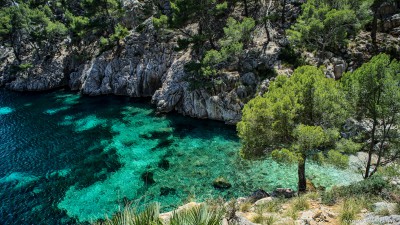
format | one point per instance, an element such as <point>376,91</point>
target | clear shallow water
<point>66,159</point>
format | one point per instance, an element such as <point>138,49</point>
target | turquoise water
<point>66,159</point>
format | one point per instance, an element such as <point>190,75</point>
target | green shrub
<point>337,159</point>
<point>349,211</point>
<point>371,187</point>
<point>161,22</point>
<point>390,171</point>
<point>288,56</point>
<point>222,6</point>
<point>25,66</point>
<point>104,42</point>
<point>182,44</point>
<point>120,32</point>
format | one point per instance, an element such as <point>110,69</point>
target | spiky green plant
<point>130,216</point>
<point>198,215</point>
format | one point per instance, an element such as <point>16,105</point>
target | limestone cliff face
<point>227,102</point>
<point>176,94</point>
<point>45,73</point>
<point>146,65</point>
<point>134,69</point>
<point>48,75</point>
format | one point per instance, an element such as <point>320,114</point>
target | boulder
<point>380,207</point>
<point>263,201</point>
<point>249,79</point>
<point>257,195</point>
<point>339,70</point>
<point>307,216</point>
<point>245,218</point>
<point>284,192</point>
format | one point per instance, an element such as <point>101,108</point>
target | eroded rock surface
<point>135,70</point>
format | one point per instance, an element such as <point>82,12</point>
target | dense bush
<point>327,25</point>
<point>43,24</point>
<point>372,186</point>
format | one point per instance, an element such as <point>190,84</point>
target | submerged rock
<point>167,191</point>
<point>221,183</point>
<point>163,164</point>
<point>147,178</point>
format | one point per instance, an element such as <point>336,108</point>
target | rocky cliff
<point>134,69</point>
<point>147,64</point>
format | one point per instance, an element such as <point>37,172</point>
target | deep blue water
<point>66,158</point>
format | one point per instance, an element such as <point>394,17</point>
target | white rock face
<point>380,207</point>
<point>225,104</point>
<point>176,94</point>
<point>263,201</point>
<point>47,74</point>
<point>146,65</point>
<point>135,70</point>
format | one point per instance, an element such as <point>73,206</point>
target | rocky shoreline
<point>143,67</point>
<point>308,209</point>
<point>147,64</point>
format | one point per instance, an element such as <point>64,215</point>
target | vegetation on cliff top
<point>44,24</point>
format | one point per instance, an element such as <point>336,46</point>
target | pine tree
<point>296,119</point>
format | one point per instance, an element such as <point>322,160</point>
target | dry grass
<point>271,206</point>
<point>300,203</point>
<point>348,213</point>
<point>265,220</point>
<point>245,207</point>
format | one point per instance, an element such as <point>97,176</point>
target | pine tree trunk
<point>302,186</point>
<point>370,151</point>
<point>246,8</point>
